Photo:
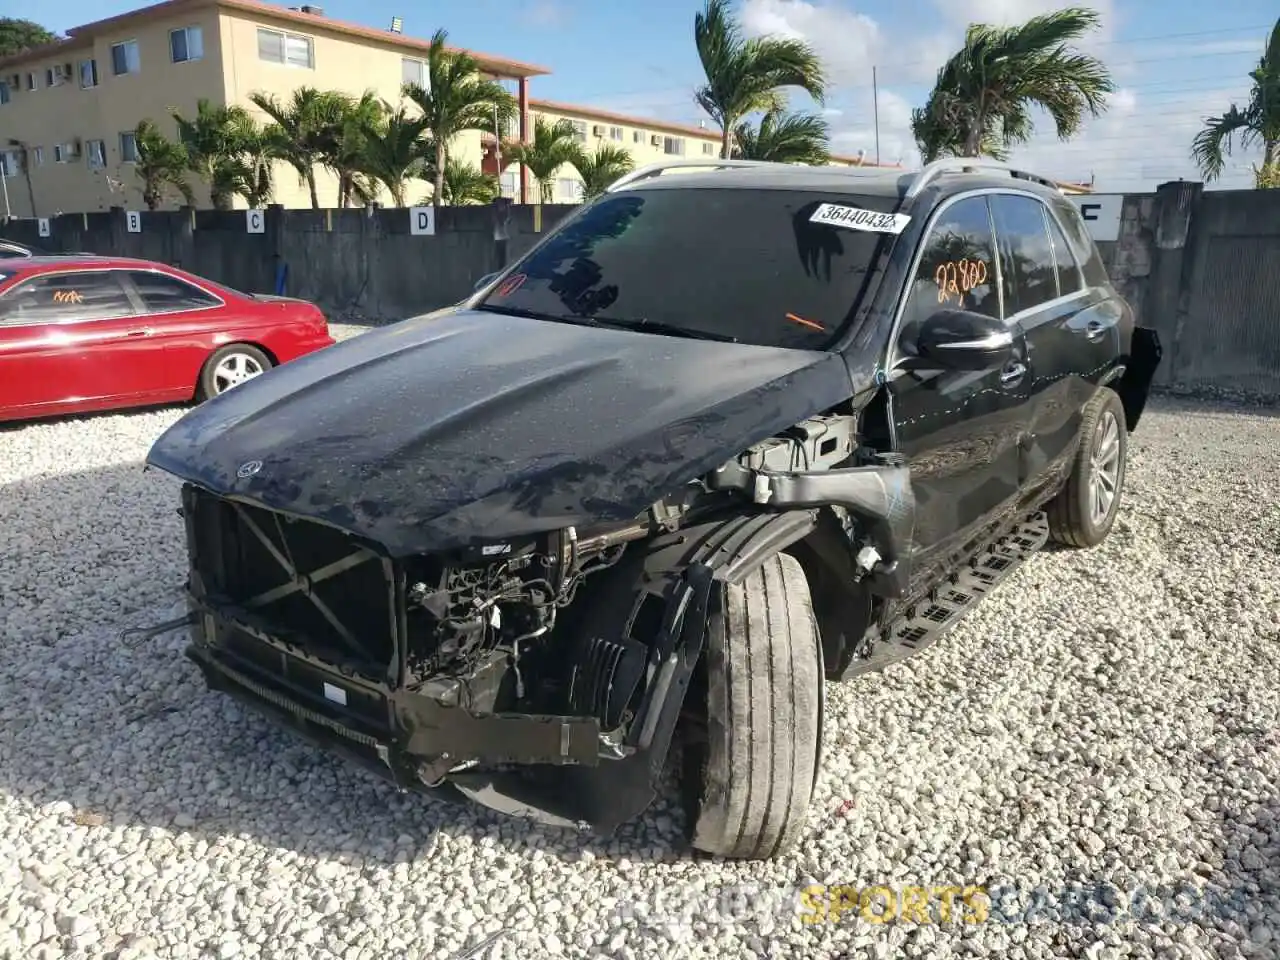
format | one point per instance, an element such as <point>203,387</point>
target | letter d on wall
<point>422,221</point>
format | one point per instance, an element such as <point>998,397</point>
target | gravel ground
<point>1106,718</point>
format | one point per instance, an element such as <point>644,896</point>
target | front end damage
<point>541,677</point>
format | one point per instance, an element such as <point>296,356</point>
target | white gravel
<point>1107,717</point>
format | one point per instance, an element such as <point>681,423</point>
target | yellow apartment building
<point>70,108</point>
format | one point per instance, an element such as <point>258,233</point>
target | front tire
<point>230,366</point>
<point>750,783</point>
<point>1085,510</point>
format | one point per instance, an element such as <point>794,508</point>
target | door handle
<point>1012,374</point>
<point>144,332</point>
<point>1094,329</point>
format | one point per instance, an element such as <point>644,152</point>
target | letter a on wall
<point>43,225</point>
<point>255,221</point>
<point>422,221</point>
<point>133,221</point>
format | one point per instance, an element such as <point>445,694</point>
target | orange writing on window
<point>955,278</point>
<point>67,296</point>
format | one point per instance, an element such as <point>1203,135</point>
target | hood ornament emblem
<point>248,469</point>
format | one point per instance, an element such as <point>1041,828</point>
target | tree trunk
<point>311,183</point>
<point>726,140</point>
<point>437,190</point>
<point>151,196</point>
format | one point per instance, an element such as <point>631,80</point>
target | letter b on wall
<point>422,221</point>
<point>133,221</point>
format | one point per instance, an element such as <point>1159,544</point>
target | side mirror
<point>962,340</point>
<point>484,281</point>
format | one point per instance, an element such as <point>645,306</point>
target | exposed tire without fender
<point>750,784</point>
<point>1084,511</point>
<point>228,366</point>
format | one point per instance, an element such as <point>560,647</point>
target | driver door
<point>959,430</point>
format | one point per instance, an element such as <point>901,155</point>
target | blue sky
<point>1175,61</point>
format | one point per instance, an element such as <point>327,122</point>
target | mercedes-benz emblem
<point>248,469</point>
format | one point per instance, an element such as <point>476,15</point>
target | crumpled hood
<point>465,425</point>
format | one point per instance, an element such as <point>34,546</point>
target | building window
<point>59,153</point>
<point>33,82</point>
<point>287,49</point>
<point>88,74</point>
<point>128,147</point>
<point>673,146</point>
<point>637,136</point>
<point>38,154</point>
<point>615,133</point>
<point>708,148</point>
<point>4,92</point>
<point>570,189</point>
<point>186,44</point>
<point>510,184</point>
<point>579,130</point>
<point>52,77</point>
<point>414,72</point>
<point>9,163</point>
<point>97,150</point>
<point>125,58</point>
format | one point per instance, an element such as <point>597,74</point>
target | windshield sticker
<point>958,277</point>
<point>67,296</point>
<point>855,218</point>
<point>510,285</point>
<point>805,323</point>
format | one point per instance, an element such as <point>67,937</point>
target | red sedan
<point>82,333</point>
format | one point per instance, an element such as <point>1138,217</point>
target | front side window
<point>1030,275</point>
<point>736,264</point>
<point>125,58</point>
<point>186,44</point>
<point>165,294</point>
<point>65,297</point>
<point>957,268</point>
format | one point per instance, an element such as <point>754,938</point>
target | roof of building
<point>79,36</point>
<point>667,126</point>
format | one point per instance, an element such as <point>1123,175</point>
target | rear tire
<point>750,784</point>
<point>228,366</point>
<point>1082,515</point>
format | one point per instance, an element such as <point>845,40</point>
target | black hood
<point>441,430</point>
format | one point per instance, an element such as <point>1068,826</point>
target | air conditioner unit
<point>655,140</point>
<point>597,131</point>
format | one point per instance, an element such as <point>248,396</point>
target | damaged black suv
<point>729,431</point>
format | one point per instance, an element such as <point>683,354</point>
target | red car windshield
<point>779,268</point>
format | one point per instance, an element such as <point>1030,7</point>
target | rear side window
<point>1068,270</point>
<point>165,294</point>
<point>957,268</point>
<point>1030,274</point>
<point>1086,251</point>
<point>66,296</point>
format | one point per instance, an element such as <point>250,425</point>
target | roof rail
<point>656,169</point>
<point>947,165</point>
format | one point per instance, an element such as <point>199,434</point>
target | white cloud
<point>960,13</point>
<point>545,13</point>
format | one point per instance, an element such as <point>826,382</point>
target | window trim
<point>893,357</point>
<point>187,30</point>
<point>139,304</point>
<point>67,272</point>
<point>1066,238</point>
<point>125,43</point>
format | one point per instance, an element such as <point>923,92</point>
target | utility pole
<point>4,184</point>
<point>875,106</point>
<point>497,146</point>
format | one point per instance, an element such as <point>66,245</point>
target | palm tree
<point>982,99</point>
<point>745,76</point>
<point>161,165</point>
<point>24,151</point>
<point>598,170</point>
<point>465,184</point>
<point>302,130</point>
<point>346,153</point>
<point>784,138</point>
<point>394,150</point>
<point>1257,123</point>
<point>554,145</point>
<point>459,98</point>
<point>216,139</point>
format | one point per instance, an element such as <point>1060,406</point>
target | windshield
<point>748,265</point>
